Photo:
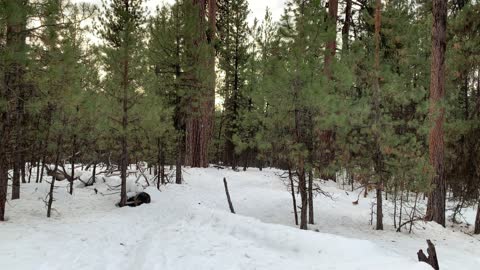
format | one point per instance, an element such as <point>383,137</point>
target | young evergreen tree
<point>167,57</point>
<point>122,29</point>
<point>15,92</point>
<point>233,59</point>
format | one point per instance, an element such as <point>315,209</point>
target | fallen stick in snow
<point>228,196</point>
<point>432,256</point>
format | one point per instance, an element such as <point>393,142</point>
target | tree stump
<point>432,256</point>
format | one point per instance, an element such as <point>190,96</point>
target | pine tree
<point>233,59</point>
<point>200,37</point>
<point>167,55</point>
<point>437,197</point>
<point>14,81</point>
<point>122,30</point>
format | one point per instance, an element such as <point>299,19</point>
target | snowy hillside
<point>190,227</point>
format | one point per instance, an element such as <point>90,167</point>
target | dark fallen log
<point>228,196</point>
<point>138,199</point>
<point>432,259</point>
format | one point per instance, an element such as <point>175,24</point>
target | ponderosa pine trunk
<point>346,26</point>
<point>199,123</point>
<point>378,158</point>
<point>331,45</point>
<point>437,196</point>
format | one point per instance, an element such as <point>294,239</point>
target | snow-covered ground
<point>190,227</point>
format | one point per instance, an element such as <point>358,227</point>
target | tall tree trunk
<point>437,197</point>
<point>477,221</point>
<point>294,201</point>
<point>94,172</point>
<point>3,181</point>
<point>199,124</point>
<point>14,65</point>
<point>346,26</point>
<point>331,45</point>
<point>72,175</point>
<point>124,139</point>
<point>178,162</point>
<point>311,219</point>
<point>52,183</point>
<point>378,155</point>
<point>302,186</point>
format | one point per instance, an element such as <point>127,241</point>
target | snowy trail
<point>189,227</point>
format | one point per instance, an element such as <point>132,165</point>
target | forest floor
<point>190,226</point>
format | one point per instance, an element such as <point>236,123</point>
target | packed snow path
<point>190,227</point>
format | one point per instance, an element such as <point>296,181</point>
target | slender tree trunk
<point>379,224</point>
<point>437,196</point>
<point>378,155</point>
<point>3,182</point>
<point>94,172</point>
<point>294,200</point>
<point>124,139</point>
<point>346,26</point>
<point>37,171</point>
<point>178,162</point>
<point>22,169</point>
<point>311,219</point>
<point>14,73</point>
<point>30,170</point>
<point>52,183</point>
<point>331,45</point>
<point>72,175</point>
<point>477,221</point>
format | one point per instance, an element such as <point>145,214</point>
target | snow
<point>189,226</point>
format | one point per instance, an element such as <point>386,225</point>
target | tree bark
<point>15,48</point>
<point>311,219</point>
<point>72,175</point>
<point>199,124</point>
<point>3,183</point>
<point>477,221</point>
<point>294,201</point>
<point>52,183</point>
<point>378,158</point>
<point>346,26</point>
<point>437,196</point>
<point>331,45</point>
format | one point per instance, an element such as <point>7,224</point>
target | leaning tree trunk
<point>437,197</point>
